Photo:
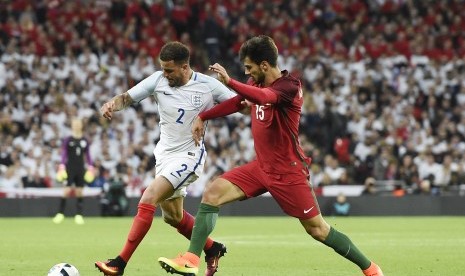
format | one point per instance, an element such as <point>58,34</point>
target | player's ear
<point>264,66</point>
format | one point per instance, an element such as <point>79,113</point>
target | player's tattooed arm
<point>122,101</point>
<point>118,102</point>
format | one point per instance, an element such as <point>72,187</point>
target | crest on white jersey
<point>196,100</point>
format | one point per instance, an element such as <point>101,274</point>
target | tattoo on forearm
<point>122,101</point>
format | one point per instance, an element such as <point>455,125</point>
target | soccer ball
<point>63,269</point>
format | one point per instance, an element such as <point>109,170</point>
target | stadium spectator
<point>382,163</point>
<point>334,171</point>
<point>341,207</point>
<point>10,177</point>
<point>408,174</point>
<point>415,81</point>
<point>369,186</point>
<point>428,168</point>
<point>446,173</point>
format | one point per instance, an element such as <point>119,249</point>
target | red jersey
<point>275,128</point>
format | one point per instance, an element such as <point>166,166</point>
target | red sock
<point>185,228</point>
<point>140,227</point>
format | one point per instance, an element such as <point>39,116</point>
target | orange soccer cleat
<point>110,268</point>
<point>186,264</point>
<point>373,270</point>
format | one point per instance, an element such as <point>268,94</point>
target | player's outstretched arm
<point>254,94</point>
<point>118,102</point>
<point>225,108</point>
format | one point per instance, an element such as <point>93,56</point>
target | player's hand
<point>89,175</point>
<point>246,107</point>
<point>222,74</point>
<point>197,130</point>
<point>107,109</point>
<point>246,103</point>
<point>61,175</point>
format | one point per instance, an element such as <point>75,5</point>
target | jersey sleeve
<point>286,89</point>
<point>87,152</point>
<point>254,94</point>
<point>145,88</point>
<point>220,92</point>
<point>64,150</point>
<point>225,108</point>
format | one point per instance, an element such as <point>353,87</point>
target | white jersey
<point>179,106</point>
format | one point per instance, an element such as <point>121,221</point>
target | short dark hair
<point>175,51</point>
<point>260,48</point>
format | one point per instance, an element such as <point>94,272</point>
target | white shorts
<point>181,170</point>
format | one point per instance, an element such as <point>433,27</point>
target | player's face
<point>173,72</point>
<point>76,127</point>
<point>254,71</point>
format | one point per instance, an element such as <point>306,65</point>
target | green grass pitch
<point>256,246</point>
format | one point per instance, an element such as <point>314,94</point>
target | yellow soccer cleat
<point>186,264</point>
<point>78,219</point>
<point>58,218</point>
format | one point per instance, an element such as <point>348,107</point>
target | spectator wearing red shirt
<point>376,46</point>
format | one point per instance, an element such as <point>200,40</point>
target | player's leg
<point>173,173</point>
<point>79,187</point>
<point>295,196</point>
<point>216,193</point>
<point>78,219</point>
<point>183,221</point>
<point>239,183</point>
<point>60,215</point>
<point>320,230</point>
<point>157,191</point>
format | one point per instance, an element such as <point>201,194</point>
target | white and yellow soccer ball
<point>63,269</point>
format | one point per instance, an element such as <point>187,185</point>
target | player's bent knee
<point>172,220</point>
<point>210,199</point>
<point>318,233</point>
<point>221,191</point>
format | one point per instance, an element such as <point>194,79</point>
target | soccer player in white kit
<point>181,94</point>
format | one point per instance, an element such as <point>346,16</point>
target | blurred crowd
<point>384,86</point>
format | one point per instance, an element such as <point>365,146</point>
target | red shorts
<point>292,192</point>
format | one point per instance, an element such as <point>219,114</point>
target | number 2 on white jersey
<point>182,111</point>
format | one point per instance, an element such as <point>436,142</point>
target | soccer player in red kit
<point>281,166</point>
